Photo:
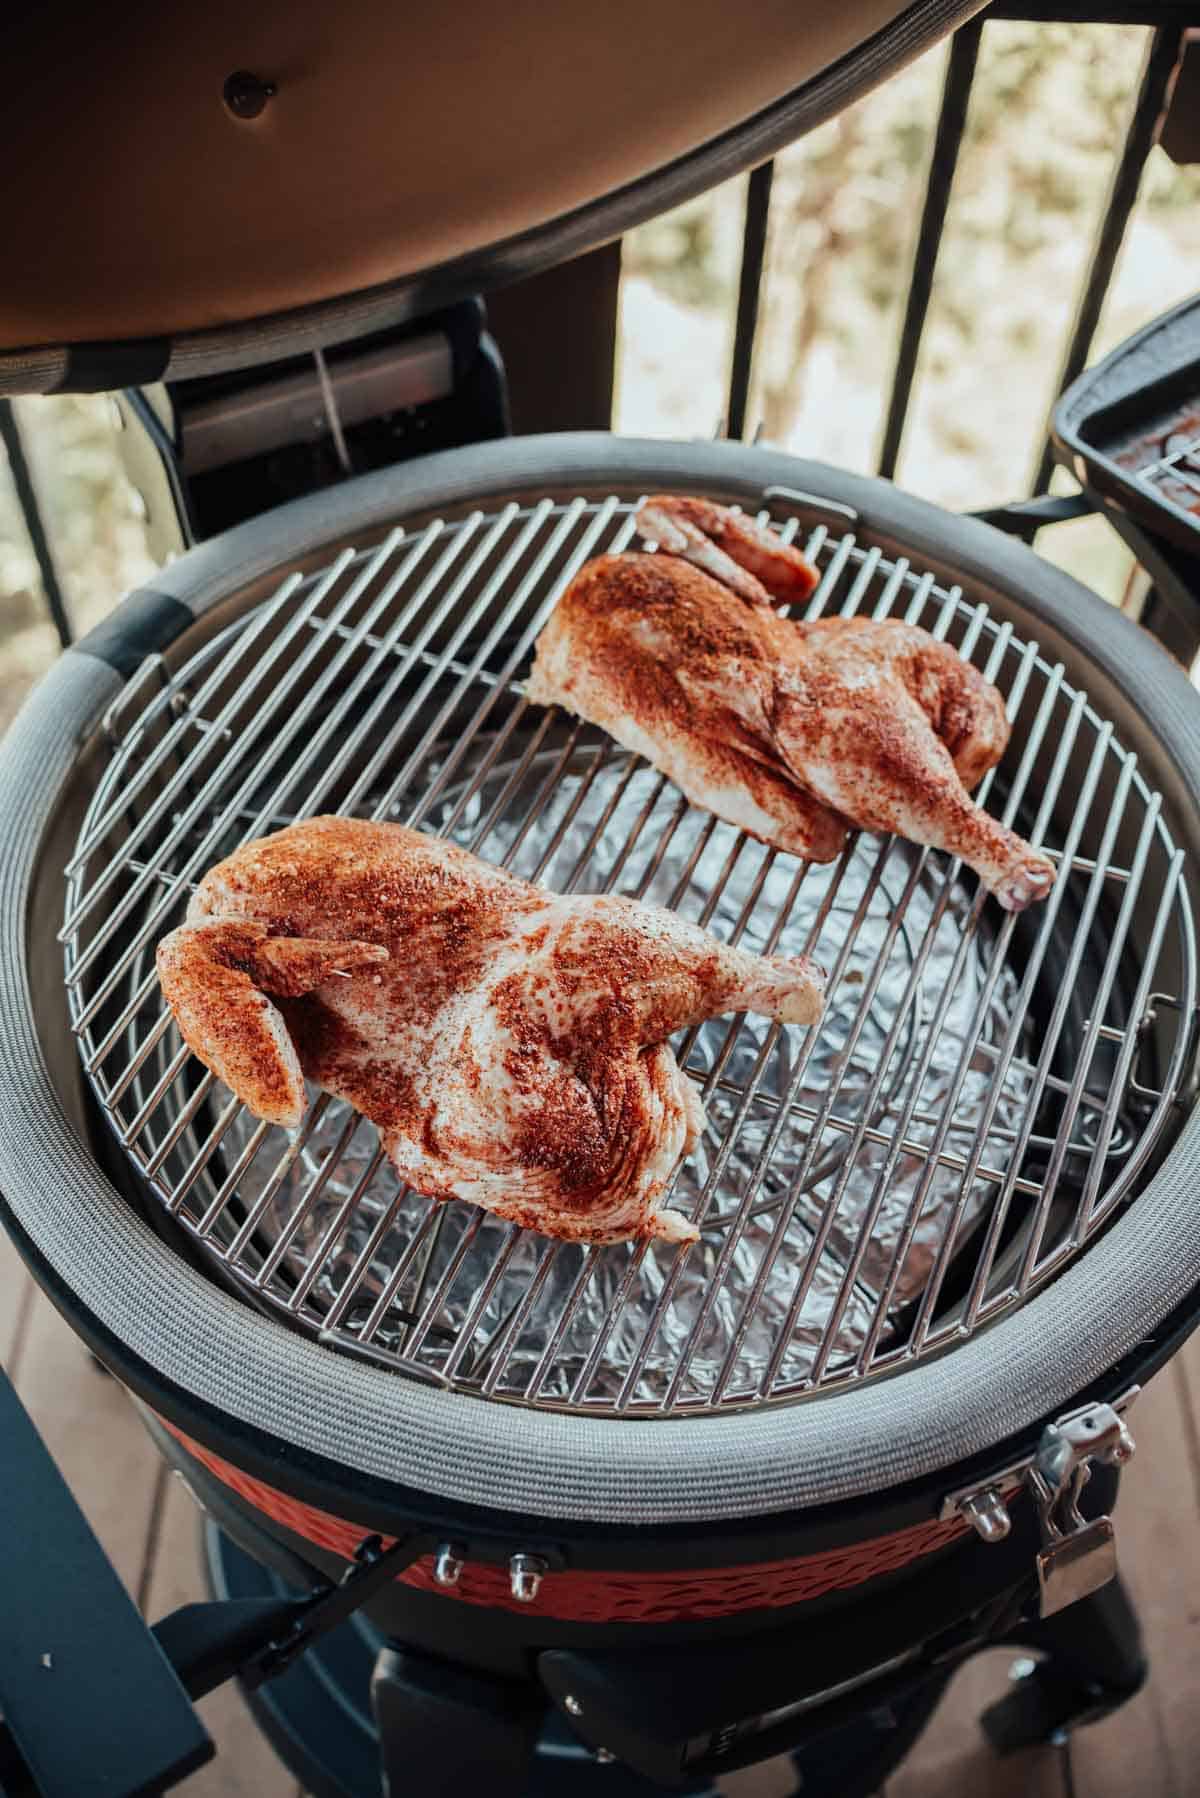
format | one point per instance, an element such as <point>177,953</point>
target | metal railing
<point>1168,27</point>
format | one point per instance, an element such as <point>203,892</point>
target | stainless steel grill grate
<point>970,1112</point>
<point>1175,474</point>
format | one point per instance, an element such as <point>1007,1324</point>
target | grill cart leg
<point>444,1730</point>
<point>1093,1662</point>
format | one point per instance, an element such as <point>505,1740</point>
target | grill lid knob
<point>526,1573</point>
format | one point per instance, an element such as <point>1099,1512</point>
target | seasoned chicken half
<point>510,1044</point>
<point>794,731</point>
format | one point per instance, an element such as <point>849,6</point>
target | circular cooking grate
<point>968,1114</point>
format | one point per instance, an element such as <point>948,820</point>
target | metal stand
<point>1093,1662</point>
<point>354,1715</point>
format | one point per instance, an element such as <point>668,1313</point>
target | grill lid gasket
<point>554,538</point>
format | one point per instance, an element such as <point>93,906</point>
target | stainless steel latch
<point>1076,1557</point>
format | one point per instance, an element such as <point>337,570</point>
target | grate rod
<point>312,1193</point>
<point>200,1159</point>
<point>179,1124</point>
<point>179,782</point>
<point>830,1208</point>
<point>579,555</point>
<point>168,1077</point>
<point>274,1180</point>
<point>1125,1058</point>
<point>495,1353</point>
<point>890,592</point>
<point>349,698</point>
<point>861,583</point>
<point>861,1130</point>
<point>432,1218</point>
<point>434,1303</point>
<point>127,791</point>
<point>1048,913</point>
<point>362,1261</point>
<point>936,1148</point>
<point>830,577</point>
<point>1090,1038</point>
<point>725,1149</point>
<point>234,757</point>
<point>479,1305</point>
<point>349,1203</point>
<point>116,1092</point>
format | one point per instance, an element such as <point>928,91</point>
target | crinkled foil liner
<point>809,1308</point>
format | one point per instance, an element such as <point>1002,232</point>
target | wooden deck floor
<point>1151,1749</point>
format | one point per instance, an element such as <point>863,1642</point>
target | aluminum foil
<point>820,1215</point>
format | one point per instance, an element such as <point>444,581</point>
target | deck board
<point>93,1433</point>
<point>1152,1744</point>
<point>16,1303</point>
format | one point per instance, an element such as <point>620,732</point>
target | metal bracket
<point>154,664</point>
<point>1077,1557</point>
<point>1190,1022</point>
<point>372,1567</point>
<point>816,502</point>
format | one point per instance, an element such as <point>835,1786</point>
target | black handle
<point>1025,517</point>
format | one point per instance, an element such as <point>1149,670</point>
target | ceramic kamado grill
<point>644,1512</point>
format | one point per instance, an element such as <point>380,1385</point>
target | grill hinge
<point>1077,1557</point>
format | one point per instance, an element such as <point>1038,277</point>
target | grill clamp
<point>1077,1556</point>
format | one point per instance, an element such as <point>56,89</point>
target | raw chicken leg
<point>509,1043</point>
<point>794,731</point>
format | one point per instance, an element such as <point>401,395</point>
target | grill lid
<point>869,1192</point>
<point>247,1385</point>
<point>232,184</point>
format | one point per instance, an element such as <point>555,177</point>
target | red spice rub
<point>508,1043</point>
<point>794,730</point>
